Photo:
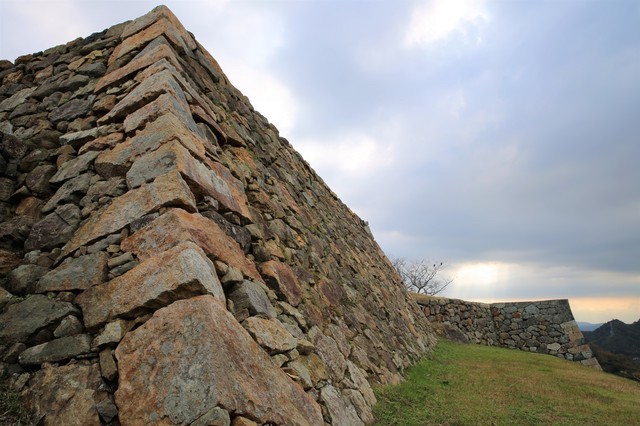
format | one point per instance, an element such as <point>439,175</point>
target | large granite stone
<point>281,279</point>
<point>270,334</point>
<point>248,295</point>
<point>181,272</point>
<point>175,226</point>
<point>193,356</point>
<point>212,179</point>
<point>165,190</point>
<point>56,350</point>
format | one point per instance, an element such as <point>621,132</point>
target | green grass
<point>479,385</point>
<point>11,410</point>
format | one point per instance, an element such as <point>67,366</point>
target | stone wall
<point>167,258</point>
<point>546,327</point>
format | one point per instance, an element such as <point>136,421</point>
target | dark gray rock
<point>76,274</point>
<point>22,280</point>
<point>73,109</point>
<point>54,229</point>
<point>70,191</point>
<point>38,179</point>
<point>23,319</point>
<point>56,350</point>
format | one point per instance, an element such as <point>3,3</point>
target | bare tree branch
<point>421,276</point>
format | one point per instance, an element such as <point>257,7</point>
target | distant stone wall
<point>546,326</point>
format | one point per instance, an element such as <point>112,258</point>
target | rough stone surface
<point>281,278</point>
<point>75,274</point>
<point>64,395</point>
<point>249,296</point>
<point>177,225</point>
<point>270,334</point>
<point>22,280</point>
<point>181,272</point>
<point>181,389</point>
<point>165,190</point>
<point>56,350</point>
<point>54,229</point>
<point>23,319</point>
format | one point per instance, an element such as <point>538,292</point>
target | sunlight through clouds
<point>435,20</point>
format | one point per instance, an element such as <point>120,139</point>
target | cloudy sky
<point>502,137</point>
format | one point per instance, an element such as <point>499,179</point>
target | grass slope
<point>480,385</point>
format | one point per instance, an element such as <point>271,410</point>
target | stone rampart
<point>546,327</point>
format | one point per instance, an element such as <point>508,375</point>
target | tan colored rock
<point>164,129</point>
<point>64,395</point>
<point>281,279</point>
<point>180,272</point>
<point>270,334</point>
<point>150,55</point>
<point>75,274</point>
<point>148,90</point>
<point>73,168</point>
<point>243,421</point>
<point>165,190</point>
<point>162,105</point>
<point>161,384</point>
<point>177,225</point>
<point>164,23</point>
<point>212,179</point>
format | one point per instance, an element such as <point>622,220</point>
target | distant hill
<point>616,337</point>
<point>588,326</point>
<point>616,345</point>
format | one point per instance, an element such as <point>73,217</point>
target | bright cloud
<point>435,20</point>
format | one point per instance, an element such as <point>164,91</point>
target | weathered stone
<point>107,409</point>
<point>169,27</point>
<point>212,179</point>
<point>328,351</point>
<point>64,395</point>
<point>214,417</point>
<point>243,421</point>
<point>355,378</point>
<point>75,167</point>
<point>270,334</point>
<point>69,326</point>
<point>112,334</point>
<point>16,99</point>
<point>363,410</point>
<point>38,179</point>
<point>108,367</point>
<point>54,229</point>
<point>341,411</point>
<point>56,350</point>
<point>22,280</point>
<point>5,297</point>
<point>281,279</point>
<point>165,190</point>
<point>70,110</point>
<point>164,129</point>
<point>162,105</point>
<point>148,90</point>
<point>76,274</point>
<point>181,272</point>
<point>102,143</point>
<point>249,296</point>
<point>69,192</point>
<point>180,388</point>
<point>177,225</point>
<point>554,346</point>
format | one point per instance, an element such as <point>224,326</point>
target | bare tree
<point>421,276</point>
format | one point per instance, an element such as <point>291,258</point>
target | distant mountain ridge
<point>616,345</point>
<point>588,326</point>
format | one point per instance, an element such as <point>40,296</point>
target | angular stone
<point>30,207</point>
<point>76,274</point>
<point>64,395</point>
<point>8,259</point>
<point>165,190</point>
<point>22,320</point>
<point>56,350</point>
<point>177,225</point>
<point>112,334</point>
<point>341,410</point>
<point>250,296</point>
<point>54,229</point>
<point>148,90</point>
<point>69,326</point>
<point>270,334</point>
<point>554,346</point>
<point>281,279</point>
<point>312,365</point>
<point>181,379</point>
<point>17,99</point>
<point>102,143</point>
<point>5,297</point>
<point>151,54</point>
<point>162,105</point>
<point>170,28</point>
<point>22,280</point>
<point>38,179</point>
<point>243,421</point>
<point>328,351</point>
<point>164,129</point>
<point>75,167</point>
<point>213,180</point>
<point>181,272</point>
<point>73,109</point>
<point>108,366</point>
<point>214,417</point>
<point>69,192</point>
